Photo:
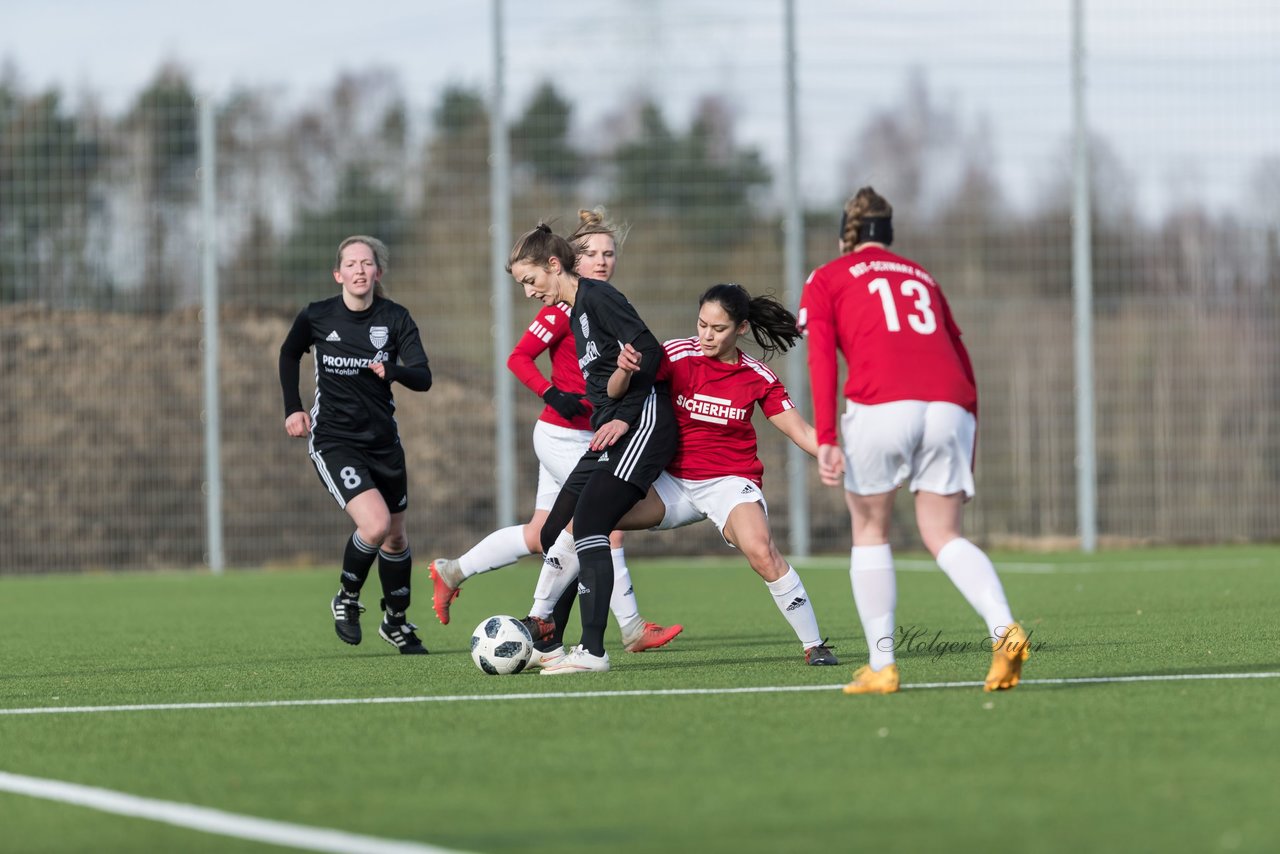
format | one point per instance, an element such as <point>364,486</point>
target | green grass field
<point>621,762</point>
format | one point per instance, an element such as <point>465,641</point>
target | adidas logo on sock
<point>798,602</point>
<point>333,336</point>
<point>582,588</point>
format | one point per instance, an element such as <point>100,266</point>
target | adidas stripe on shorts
<point>642,453</point>
<point>347,471</point>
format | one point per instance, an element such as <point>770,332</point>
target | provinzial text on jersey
<point>347,365</point>
<point>593,353</point>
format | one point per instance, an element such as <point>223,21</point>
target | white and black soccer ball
<point>501,646</point>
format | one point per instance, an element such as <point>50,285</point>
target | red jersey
<point>550,331</point>
<point>714,402</point>
<point>890,321</point>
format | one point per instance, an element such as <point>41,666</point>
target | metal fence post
<point>215,556</point>
<point>1082,292</point>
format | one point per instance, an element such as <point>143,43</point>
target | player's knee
<point>395,542</point>
<point>763,557</point>
<point>933,538</point>
<point>375,531</point>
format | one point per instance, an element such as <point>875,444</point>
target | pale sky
<point>1187,93</point>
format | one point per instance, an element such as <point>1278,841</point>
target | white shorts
<point>689,501</point>
<point>558,449</point>
<point>929,442</point>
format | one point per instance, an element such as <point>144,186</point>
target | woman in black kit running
<point>635,435</point>
<point>363,342</point>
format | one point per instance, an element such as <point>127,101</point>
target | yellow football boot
<point>1006,659</point>
<point>868,681</point>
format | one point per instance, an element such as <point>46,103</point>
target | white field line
<point>211,820</point>
<point>575,695</point>
<point>307,838</point>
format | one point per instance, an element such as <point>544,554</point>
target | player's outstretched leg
<point>501,548</point>
<point>638,634</point>
<point>446,578</point>
<point>644,635</point>
<point>1009,650</point>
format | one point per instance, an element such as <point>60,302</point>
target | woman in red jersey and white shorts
<point>716,473</point>
<point>911,406</point>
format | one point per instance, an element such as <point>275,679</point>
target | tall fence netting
<point>674,121</point>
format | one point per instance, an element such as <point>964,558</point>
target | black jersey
<point>603,320</point>
<point>352,404</point>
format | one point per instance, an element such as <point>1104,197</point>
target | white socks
<point>500,548</point>
<point>623,601</point>
<point>970,570</point>
<point>559,569</point>
<point>875,592</point>
<point>793,601</point>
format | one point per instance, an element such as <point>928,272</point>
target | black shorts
<point>641,454</point>
<point>347,471</point>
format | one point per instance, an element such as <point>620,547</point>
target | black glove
<point>568,405</point>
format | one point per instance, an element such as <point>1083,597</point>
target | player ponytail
<point>539,246</point>
<point>772,326</point>
<point>867,218</point>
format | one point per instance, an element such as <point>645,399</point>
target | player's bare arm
<point>795,428</point>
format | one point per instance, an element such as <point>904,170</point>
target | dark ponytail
<point>772,325</point>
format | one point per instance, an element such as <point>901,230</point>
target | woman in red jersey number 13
<point>910,416</point>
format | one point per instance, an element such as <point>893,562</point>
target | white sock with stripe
<point>793,601</point>
<point>623,601</point>
<point>559,570</point>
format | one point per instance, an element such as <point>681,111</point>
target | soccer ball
<point>501,646</point>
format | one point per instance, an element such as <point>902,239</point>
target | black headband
<point>875,229</point>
